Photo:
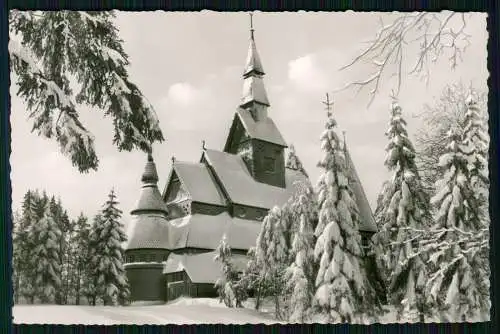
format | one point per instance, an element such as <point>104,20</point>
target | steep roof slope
<point>199,183</point>
<point>367,220</point>
<point>232,173</point>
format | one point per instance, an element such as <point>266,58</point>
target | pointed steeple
<point>150,199</point>
<point>254,96</point>
<point>253,63</point>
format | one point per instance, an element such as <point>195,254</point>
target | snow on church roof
<point>192,231</point>
<point>199,183</point>
<point>265,129</point>
<point>148,230</point>
<point>367,220</point>
<point>201,268</point>
<point>150,200</point>
<point>150,197</point>
<point>206,231</point>
<point>243,189</point>
<point>254,90</point>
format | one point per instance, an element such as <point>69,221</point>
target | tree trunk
<point>257,299</point>
<point>16,290</point>
<point>77,289</point>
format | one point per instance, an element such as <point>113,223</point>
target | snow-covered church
<point>173,235</point>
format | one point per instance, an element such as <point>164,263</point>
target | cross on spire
<point>328,104</point>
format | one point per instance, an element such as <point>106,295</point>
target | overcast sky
<point>189,66</point>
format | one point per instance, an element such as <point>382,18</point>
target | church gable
<point>175,190</point>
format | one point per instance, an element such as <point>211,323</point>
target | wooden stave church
<point>172,236</point>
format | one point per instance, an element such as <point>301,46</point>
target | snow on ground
<point>180,311</point>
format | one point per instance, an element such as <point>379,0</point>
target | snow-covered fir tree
<point>272,256</point>
<point>89,278</point>
<point>46,50</point>
<point>24,245</point>
<point>293,161</point>
<point>16,255</point>
<point>80,255</point>
<point>252,278</point>
<point>45,256</point>
<point>300,275</point>
<point>476,140</point>
<point>403,213</point>
<point>107,238</point>
<point>60,217</point>
<point>457,283</point>
<point>342,288</point>
<point>228,287</point>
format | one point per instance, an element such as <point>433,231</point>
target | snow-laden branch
<point>71,133</point>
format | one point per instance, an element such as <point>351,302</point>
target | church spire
<point>253,63</point>
<point>254,96</point>
<point>150,199</point>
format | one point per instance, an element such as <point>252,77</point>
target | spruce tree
<point>342,289</point>
<point>300,275</point>
<point>476,140</point>
<point>25,246</point>
<point>79,251</point>
<point>229,289</point>
<point>457,282</point>
<point>252,279</point>
<point>45,257</point>
<point>403,214</point>
<point>47,50</point>
<point>112,285</point>
<point>272,256</point>
<point>16,255</point>
<point>91,275</point>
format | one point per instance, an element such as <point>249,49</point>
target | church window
<point>269,164</point>
<point>365,243</point>
<point>240,212</point>
<point>165,257</point>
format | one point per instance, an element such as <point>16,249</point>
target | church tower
<point>253,134</point>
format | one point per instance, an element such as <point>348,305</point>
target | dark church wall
<point>248,212</point>
<point>179,284</point>
<point>269,163</point>
<point>146,255</point>
<point>207,209</point>
<point>146,280</point>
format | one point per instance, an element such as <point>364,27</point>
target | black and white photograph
<point>249,167</point>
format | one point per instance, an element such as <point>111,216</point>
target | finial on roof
<point>328,105</point>
<point>203,145</point>
<point>173,159</point>
<point>251,25</point>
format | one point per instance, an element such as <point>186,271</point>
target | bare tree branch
<point>435,36</point>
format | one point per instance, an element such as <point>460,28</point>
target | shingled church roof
<point>198,182</point>
<point>195,266</point>
<point>241,187</point>
<point>368,223</point>
<point>150,198</point>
